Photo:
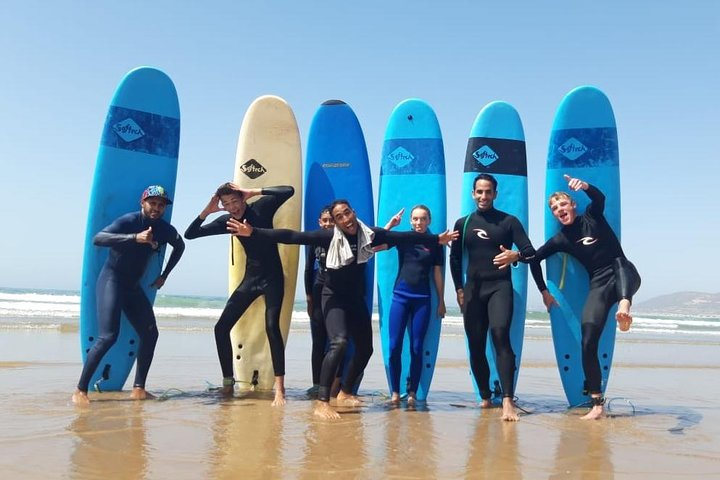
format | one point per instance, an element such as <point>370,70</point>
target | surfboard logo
<point>400,157</point>
<point>336,165</point>
<point>485,156</point>
<point>572,149</point>
<point>128,130</point>
<point>253,169</point>
<point>481,233</point>
<point>587,241</point>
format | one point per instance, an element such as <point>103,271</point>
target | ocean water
<point>25,309</point>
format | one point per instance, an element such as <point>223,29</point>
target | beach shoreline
<point>655,398</point>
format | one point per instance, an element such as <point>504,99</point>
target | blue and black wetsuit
<point>263,276</point>
<point>343,299</point>
<point>118,289</point>
<point>315,274</point>
<point>410,308</point>
<point>488,292</point>
<point>591,240</point>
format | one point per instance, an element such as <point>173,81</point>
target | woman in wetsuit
<point>410,306</point>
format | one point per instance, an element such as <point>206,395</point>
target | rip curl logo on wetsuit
<point>253,169</point>
<point>400,157</point>
<point>128,130</point>
<point>572,149</point>
<point>481,233</point>
<point>485,156</point>
<point>587,241</point>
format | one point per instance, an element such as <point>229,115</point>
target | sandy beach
<point>664,420</point>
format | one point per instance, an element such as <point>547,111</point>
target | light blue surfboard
<point>583,144</point>
<point>337,166</point>
<point>412,172</point>
<point>497,146</point>
<point>138,147</point>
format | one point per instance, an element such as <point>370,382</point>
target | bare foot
<point>323,410</point>
<point>80,398</point>
<point>395,398</point>
<point>623,316</point>
<point>595,413</point>
<point>139,393</point>
<point>485,403</point>
<point>411,399</point>
<point>279,400</point>
<point>509,413</point>
<point>348,399</point>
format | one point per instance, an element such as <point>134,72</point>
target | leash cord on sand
<point>608,403</point>
<point>168,394</point>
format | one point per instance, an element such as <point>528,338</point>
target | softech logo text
<point>252,169</point>
<point>400,157</point>
<point>572,148</point>
<point>128,130</point>
<point>485,156</point>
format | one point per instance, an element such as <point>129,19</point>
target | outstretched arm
<point>279,235</point>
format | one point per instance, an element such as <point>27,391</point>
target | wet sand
<point>663,399</point>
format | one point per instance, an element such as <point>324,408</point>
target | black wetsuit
<point>343,300</point>
<point>488,292</point>
<point>118,289</point>
<point>315,273</point>
<point>591,240</point>
<point>263,276</point>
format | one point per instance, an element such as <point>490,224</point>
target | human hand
<point>447,236</point>
<point>548,300</point>
<point>241,229</point>
<point>575,184</point>
<point>505,257</point>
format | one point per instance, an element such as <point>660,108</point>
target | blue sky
<point>656,61</point>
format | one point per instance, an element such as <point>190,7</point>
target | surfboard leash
<point>564,270</point>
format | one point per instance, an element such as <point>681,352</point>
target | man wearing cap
<point>133,239</point>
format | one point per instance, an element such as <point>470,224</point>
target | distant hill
<point>684,303</point>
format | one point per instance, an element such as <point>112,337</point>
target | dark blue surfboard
<point>138,147</point>
<point>497,146</point>
<point>337,166</point>
<point>583,144</point>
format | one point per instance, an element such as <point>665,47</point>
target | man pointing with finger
<point>133,239</point>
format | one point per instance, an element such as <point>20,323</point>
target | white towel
<point>339,253</point>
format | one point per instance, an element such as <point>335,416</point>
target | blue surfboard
<point>412,172</point>
<point>583,144</point>
<point>337,166</point>
<point>497,146</point>
<point>138,147</point>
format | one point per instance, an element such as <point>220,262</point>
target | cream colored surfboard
<point>268,154</point>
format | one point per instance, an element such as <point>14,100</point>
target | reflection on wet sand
<point>493,447</point>
<point>334,448</point>
<point>410,447</point>
<point>582,451</point>
<point>248,439</point>
<point>110,441</point>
